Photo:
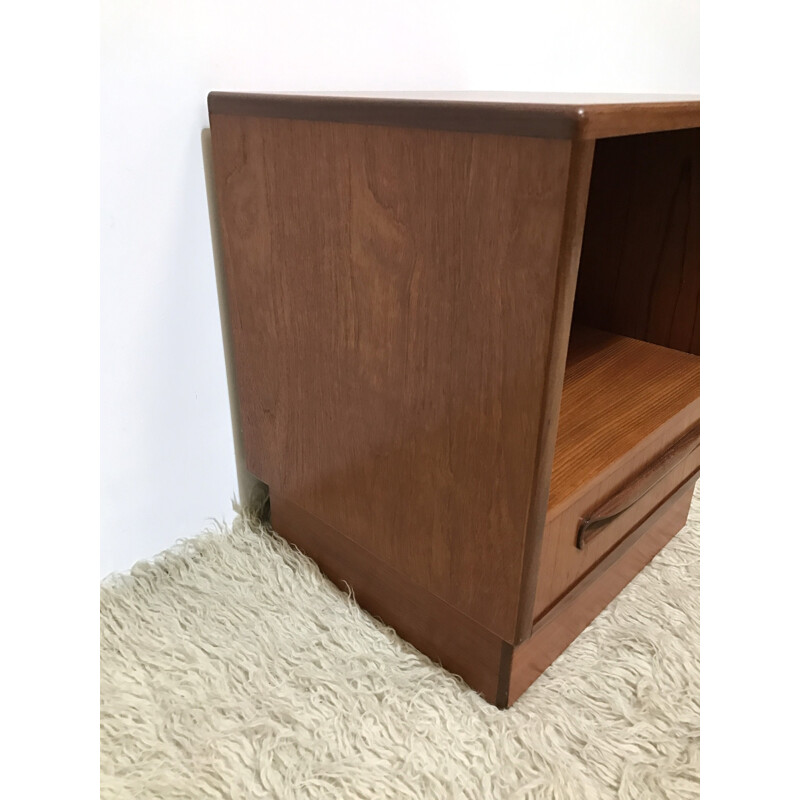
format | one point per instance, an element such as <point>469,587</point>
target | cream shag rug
<point>231,668</point>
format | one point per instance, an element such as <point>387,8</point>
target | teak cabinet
<point>466,339</point>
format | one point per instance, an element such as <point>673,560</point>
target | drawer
<point>576,538</point>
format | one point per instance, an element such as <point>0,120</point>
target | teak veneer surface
<point>545,115</point>
<point>392,339</point>
<point>617,391</point>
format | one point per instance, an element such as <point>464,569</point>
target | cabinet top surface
<point>537,114</point>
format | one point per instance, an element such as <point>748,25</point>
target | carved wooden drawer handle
<point>654,472</point>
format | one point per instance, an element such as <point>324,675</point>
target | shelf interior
<point>617,391</point>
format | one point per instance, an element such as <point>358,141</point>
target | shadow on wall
<point>253,493</point>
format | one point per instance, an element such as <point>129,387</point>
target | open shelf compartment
<point>630,397</point>
<point>617,392</point>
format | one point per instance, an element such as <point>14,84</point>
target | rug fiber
<point>231,668</point>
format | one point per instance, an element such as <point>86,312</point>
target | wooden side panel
<point>571,233</point>
<point>391,295</point>
<point>640,264</point>
<point>559,628</point>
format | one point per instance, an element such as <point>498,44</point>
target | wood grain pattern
<point>617,391</point>
<point>640,264</point>
<point>391,336</point>
<point>448,637</point>
<point>556,631</point>
<point>542,115</point>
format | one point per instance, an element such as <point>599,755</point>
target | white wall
<point>166,436</point>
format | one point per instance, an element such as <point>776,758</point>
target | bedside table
<point>466,343</point>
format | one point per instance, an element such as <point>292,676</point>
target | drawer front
<point>586,531</point>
